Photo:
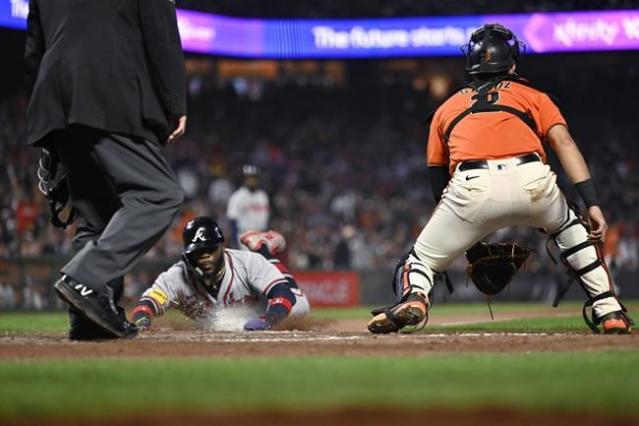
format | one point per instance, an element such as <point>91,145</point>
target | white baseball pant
<point>478,202</point>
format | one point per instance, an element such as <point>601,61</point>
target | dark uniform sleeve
<point>34,48</point>
<point>437,149</point>
<point>163,47</point>
<point>439,178</point>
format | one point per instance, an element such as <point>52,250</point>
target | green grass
<point>601,382</point>
<point>341,313</point>
<point>443,309</point>
<point>571,324</point>
<point>18,322</point>
<point>38,322</point>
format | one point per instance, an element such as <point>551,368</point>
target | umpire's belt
<point>483,164</point>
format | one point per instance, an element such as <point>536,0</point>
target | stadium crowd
<point>345,174</point>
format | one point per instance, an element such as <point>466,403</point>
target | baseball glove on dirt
<point>493,265</point>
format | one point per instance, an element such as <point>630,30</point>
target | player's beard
<point>214,278</point>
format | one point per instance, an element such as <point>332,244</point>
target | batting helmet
<point>249,170</point>
<point>492,49</point>
<point>201,233</point>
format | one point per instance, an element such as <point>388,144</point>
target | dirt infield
<point>166,343</point>
<point>177,337</point>
<point>317,338</point>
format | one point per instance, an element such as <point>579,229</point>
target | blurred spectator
<point>248,207</point>
<point>344,167</point>
<point>8,298</point>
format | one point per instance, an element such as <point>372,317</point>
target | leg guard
<point>585,265</point>
<point>412,276</point>
<point>412,283</point>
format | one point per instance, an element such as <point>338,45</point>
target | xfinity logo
<point>199,235</point>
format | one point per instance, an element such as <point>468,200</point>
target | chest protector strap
<point>486,101</point>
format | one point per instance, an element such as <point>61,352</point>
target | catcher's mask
<point>52,182</point>
<point>202,234</point>
<point>492,49</point>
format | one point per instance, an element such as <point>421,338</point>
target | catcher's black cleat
<point>98,307</point>
<point>411,311</point>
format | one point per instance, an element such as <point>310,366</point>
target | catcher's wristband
<point>587,192</point>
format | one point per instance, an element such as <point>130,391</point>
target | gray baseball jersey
<point>250,209</point>
<point>247,280</point>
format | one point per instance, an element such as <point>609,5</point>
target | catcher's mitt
<point>493,265</point>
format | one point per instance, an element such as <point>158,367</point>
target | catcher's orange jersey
<point>494,134</point>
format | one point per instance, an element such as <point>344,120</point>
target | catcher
<point>210,277</point>
<point>487,165</point>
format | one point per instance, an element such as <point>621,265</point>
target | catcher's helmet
<point>492,49</point>
<point>199,234</point>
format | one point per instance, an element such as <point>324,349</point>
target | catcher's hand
<point>493,265</point>
<point>598,225</point>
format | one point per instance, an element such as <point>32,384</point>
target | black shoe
<point>81,327</point>
<point>98,307</point>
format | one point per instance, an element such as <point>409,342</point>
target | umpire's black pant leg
<point>92,193</point>
<point>80,325</point>
<point>85,233</point>
<point>151,198</point>
<point>104,202</point>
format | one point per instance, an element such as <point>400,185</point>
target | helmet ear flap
<point>519,48</point>
<point>477,36</point>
